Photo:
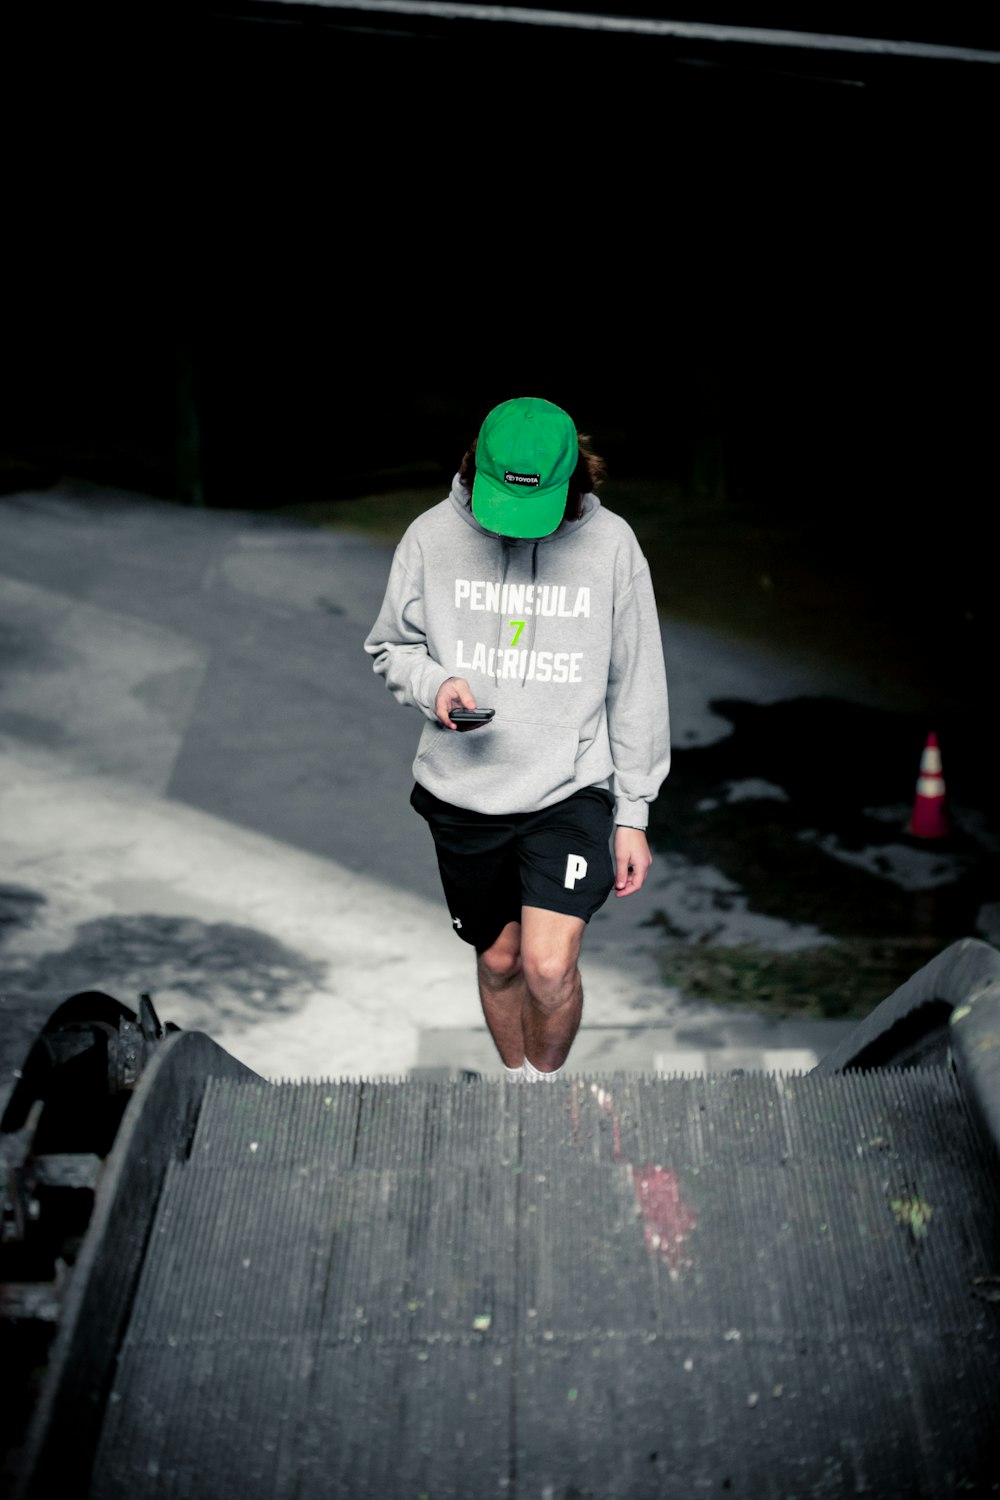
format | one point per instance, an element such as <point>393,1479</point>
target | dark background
<point>262,255</point>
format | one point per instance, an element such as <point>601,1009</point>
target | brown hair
<point>590,471</point>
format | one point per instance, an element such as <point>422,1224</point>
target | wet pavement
<point>203,795</point>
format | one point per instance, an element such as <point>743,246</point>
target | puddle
<point>791,884</point>
<point>218,972</point>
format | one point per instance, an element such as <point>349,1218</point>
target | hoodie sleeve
<point>397,642</point>
<point>638,718</point>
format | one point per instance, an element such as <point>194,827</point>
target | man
<point>522,594</point>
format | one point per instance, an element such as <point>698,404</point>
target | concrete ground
<point>203,795</point>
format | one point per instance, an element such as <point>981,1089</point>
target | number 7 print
<point>517,626</point>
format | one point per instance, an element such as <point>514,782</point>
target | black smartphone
<point>468,718</point>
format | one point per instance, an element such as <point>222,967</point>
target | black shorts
<point>491,866</point>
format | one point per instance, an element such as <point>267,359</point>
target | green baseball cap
<point>525,458</point>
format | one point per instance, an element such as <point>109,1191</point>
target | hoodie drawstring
<point>504,563</point>
<point>504,559</point>
<point>534,612</point>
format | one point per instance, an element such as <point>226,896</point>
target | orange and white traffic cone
<point>929,818</point>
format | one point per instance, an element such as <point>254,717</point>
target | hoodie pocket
<point>502,768</point>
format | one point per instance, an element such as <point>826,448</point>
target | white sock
<point>535,1075</point>
<point>514,1074</point>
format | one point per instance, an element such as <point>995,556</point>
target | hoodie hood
<point>462,501</point>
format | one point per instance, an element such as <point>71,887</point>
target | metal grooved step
<point>760,1285</point>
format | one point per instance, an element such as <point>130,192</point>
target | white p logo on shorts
<point>576,869</point>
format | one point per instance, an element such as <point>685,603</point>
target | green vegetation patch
<point>843,980</point>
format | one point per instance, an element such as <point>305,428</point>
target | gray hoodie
<point>560,636</point>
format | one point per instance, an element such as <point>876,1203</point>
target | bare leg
<point>550,951</point>
<point>504,994</point>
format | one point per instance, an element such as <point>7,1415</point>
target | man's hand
<point>632,860</point>
<point>454,692</point>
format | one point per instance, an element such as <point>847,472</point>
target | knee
<point>499,966</point>
<point>550,976</point>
